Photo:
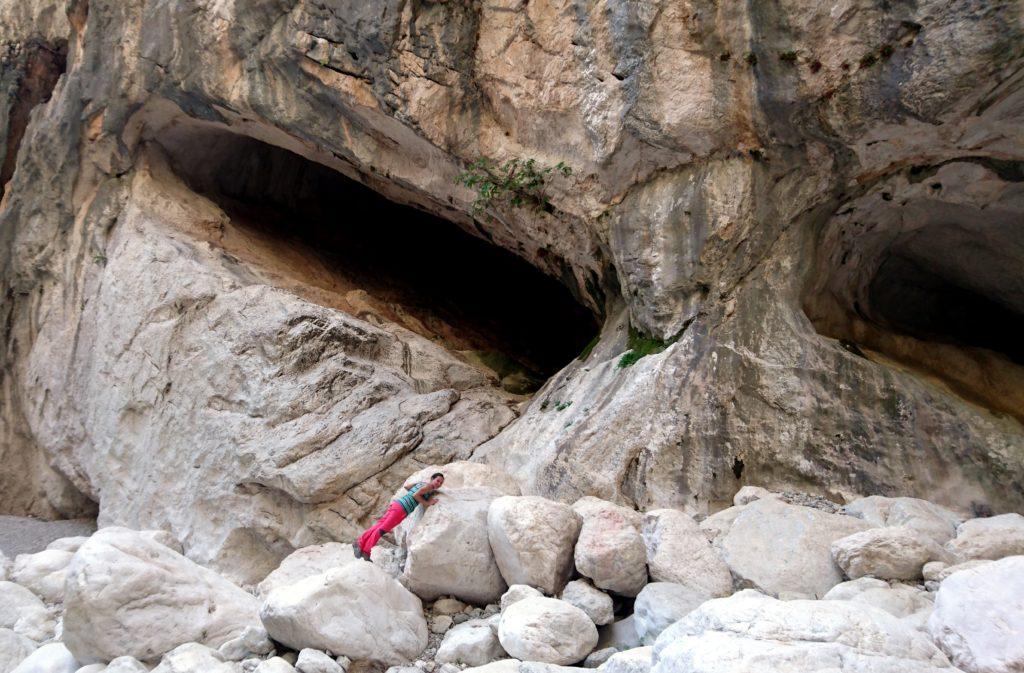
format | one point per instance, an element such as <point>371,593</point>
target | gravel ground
<point>22,535</point>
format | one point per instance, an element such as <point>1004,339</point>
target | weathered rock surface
<point>776,547</point>
<point>546,630</point>
<point>597,604</point>
<point>533,540</point>
<point>749,632</point>
<point>610,550</point>
<point>44,573</point>
<point>355,610</point>
<point>678,551</point>
<point>306,562</point>
<point>991,538</point>
<point>927,518</point>
<point>892,553</point>
<point>448,552</point>
<point>979,617</point>
<point>661,604</point>
<point>51,658</point>
<point>474,643</point>
<point>24,613</point>
<point>14,647</point>
<point>130,596</point>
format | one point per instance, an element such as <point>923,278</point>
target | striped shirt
<point>408,502</point>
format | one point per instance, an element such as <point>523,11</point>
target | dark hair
<point>436,475</point>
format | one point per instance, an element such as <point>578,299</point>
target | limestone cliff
<point>244,295</point>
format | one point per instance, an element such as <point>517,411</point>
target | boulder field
<point>880,585</point>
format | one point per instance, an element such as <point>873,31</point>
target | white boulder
<point>926,518</point>
<point>899,600</point>
<point>92,668</point>
<point>43,573</point>
<point>533,540</point>
<point>448,552</point>
<point>52,658</point>
<point>776,547</point>
<point>356,610</point>
<point>610,550</point>
<point>989,538</point>
<point>315,661</point>
<point>892,553</point>
<point>474,643</point>
<point>24,613</point>
<point>678,551</point>
<point>546,630</point>
<point>979,617</point>
<point>193,658</point>
<point>517,592</point>
<point>14,648</point>
<point>128,595</point>
<point>636,660</point>
<point>661,604</point>
<point>753,633</point>
<point>274,665</point>
<point>596,603</point>
<point>126,665</point>
<point>306,562</point>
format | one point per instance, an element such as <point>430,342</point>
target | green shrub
<point>640,345</point>
<point>516,182</point>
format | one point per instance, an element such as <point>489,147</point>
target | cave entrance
<point>415,268</point>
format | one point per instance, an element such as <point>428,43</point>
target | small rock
<point>448,606</point>
<point>546,630</point>
<point>14,648</point>
<point>596,603</point>
<point>52,658</point>
<point>440,623</point>
<point>344,662</point>
<point>315,661</point>
<point>474,643</point>
<point>253,640</point>
<point>274,665</point>
<point>661,604</point>
<point>598,657</point>
<point>893,553</point>
<point>126,665</point>
<point>460,618</point>
<point>92,668</point>
<point>517,592</point>
<point>193,658</point>
<point>636,660</point>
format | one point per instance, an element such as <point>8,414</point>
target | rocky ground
<point>494,582</point>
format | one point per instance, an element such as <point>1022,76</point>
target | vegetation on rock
<point>515,182</point>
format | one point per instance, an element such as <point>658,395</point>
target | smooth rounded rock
<point>517,592</point>
<point>597,604</point>
<point>533,540</point>
<point>546,630</point>
<point>610,550</point>
<point>306,562</point>
<point>473,643</point>
<point>193,658</point>
<point>51,658</point>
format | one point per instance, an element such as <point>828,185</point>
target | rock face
<point>979,617</point>
<point>546,630</point>
<point>355,610</point>
<point>749,632</point>
<point>533,541</point>
<point>128,595</point>
<point>893,553</point>
<point>726,167</point>
<point>610,550</point>
<point>448,552</point>
<point>678,551</point>
<point>776,547</point>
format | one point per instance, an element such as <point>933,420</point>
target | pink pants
<point>391,518</point>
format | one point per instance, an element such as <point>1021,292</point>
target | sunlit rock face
<point>244,295</point>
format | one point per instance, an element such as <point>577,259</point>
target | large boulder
<point>464,474</point>
<point>129,595</point>
<point>776,547</point>
<point>662,604</point>
<point>14,648</point>
<point>474,643</point>
<point>610,550</point>
<point>979,617</point>
<point>753,633</point>
<point>597,604</point>
<point>356,610</point>
<point>718,524</point>
<point>51,658</point>
<point>892,553</point>
<point>546,630</point>
<point>990,538</point>
<point>193,658</point>
<point>306,562</point>
<point>533,540</point>
<point>448,552</point>
<point>43,572</point>
<point>24,613</point>
<point>678,551</point>
<point>926,518</point>
<point>899,600</point>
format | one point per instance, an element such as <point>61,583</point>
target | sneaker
<point>359,552</point>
